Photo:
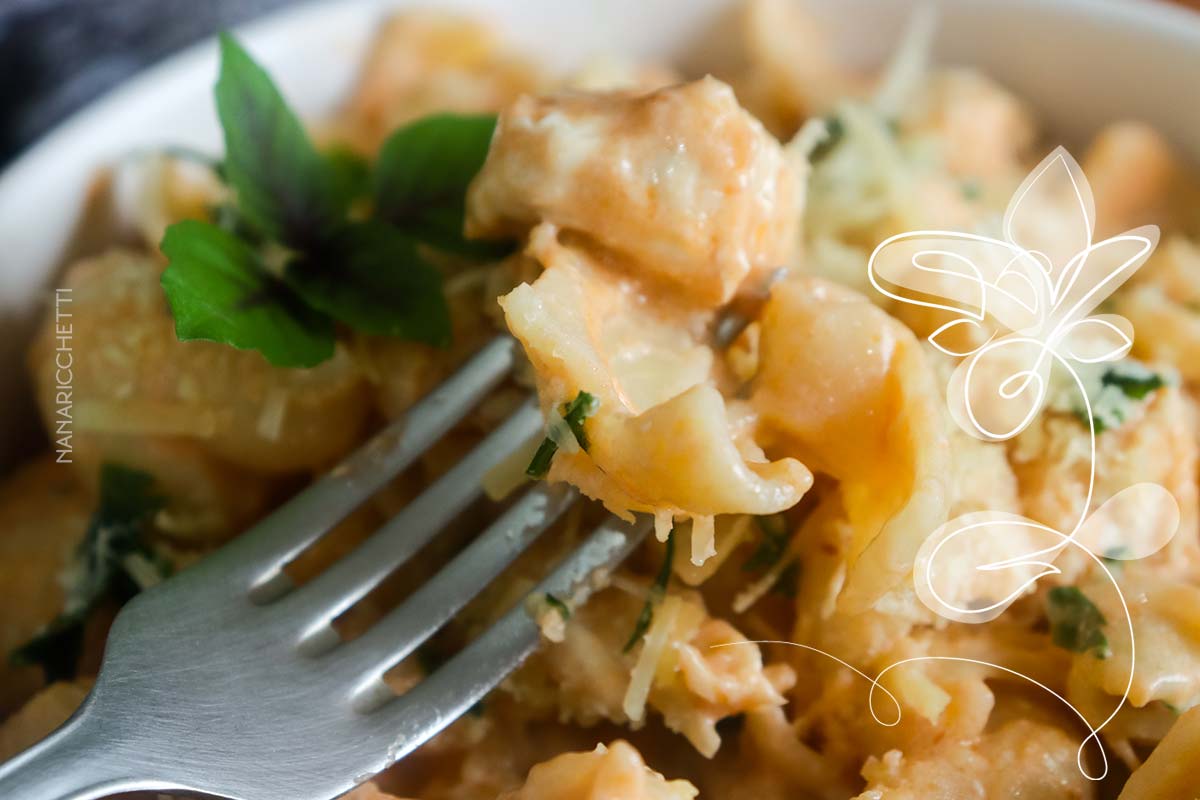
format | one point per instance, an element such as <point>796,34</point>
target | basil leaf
<point>371,277</point>
<point>1075,622</point>
<point>351,174</point>
<point>285,188</point>
<point>422,176</point>
<point>219,292</point>
<point>112,558</point>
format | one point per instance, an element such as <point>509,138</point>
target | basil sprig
<point>317,238</point>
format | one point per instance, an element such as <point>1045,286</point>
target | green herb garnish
<point>285,188</point>
<point>366,291</point>
<point>220,291</point>
<point>1098,422</point>
<point>658,590</point>
<point>835,131</point>
<point>574,413</point>
<point>1115,556</point>
<point>788,582</point>
<point>1075,622</point>
<point>299,251</point>
<point>773,545</point>
<point>558,605</point>
<point>114,560</point>
<point>1113,392</point>
<point>1134,382</point>
<point>421,180</point>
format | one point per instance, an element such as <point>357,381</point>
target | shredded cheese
<point>273,414</point>
<point>664,521</point>
<point>703,539</point>
<point>653,647</point>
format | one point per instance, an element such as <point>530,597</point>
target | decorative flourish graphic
<point>1019,307</point>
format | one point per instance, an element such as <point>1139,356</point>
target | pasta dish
<point>704,264</point>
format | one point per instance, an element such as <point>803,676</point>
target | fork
<point>228,679</point>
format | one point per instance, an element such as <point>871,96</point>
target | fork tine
<point>318,603</point>
<point>431,705</point>
<point>405,628</point>
<point>306,517</point>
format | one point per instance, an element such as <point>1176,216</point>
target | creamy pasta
<point>681,251</point>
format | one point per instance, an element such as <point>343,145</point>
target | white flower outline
<point>1047,319</point>
<point>1048,329</point>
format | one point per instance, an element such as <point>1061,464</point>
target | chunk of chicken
<point>1156,443</point>
<point>987,131</point>
<point>607,772</point>
<point>779,61</point>
<point>682,182</point>
<point>1163,304</point>
<point>1130,167</point>
<point>424,62</point>
<point>701,671</point>
<point>1022,759</point>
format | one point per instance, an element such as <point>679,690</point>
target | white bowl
<point>1080,63</point>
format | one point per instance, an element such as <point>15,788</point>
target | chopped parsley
<point>574,413</point>
<point>316,239</point>
<point>1112,392</point>
<point>1115,556</point>
<point>1099,423</point>
<point>773,545</point>
<point>1134,381</point>
<point>1075,622</point>
<point>562,608</point>
<point>113,561</point>
<point>789,581</point>
<point>972,190</point>
<point>658,590</point>
<point>835,131</point>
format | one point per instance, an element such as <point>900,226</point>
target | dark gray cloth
<point>56,55</point>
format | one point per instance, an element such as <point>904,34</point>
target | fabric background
<point>56,55</point>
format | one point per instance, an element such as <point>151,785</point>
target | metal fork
<point>227,679</point>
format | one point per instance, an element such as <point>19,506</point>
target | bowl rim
<point>44,189</point>
<point>266,32</point>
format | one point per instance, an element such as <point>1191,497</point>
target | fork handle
<point>73,763</point>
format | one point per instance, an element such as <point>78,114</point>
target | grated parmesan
<point>273,413</point>
<point>703,539</point>
<point>654,645</point>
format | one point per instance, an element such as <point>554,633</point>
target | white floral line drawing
<point>1040,283</point>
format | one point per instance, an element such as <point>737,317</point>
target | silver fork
<point>227,679</point>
